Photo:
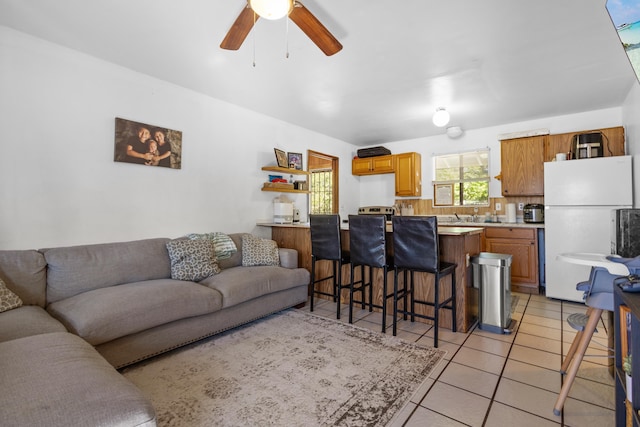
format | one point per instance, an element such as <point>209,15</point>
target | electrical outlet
<point>520,206</point>
<point>498,206</point>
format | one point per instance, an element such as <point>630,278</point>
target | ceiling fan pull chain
<point>253,36</point>
<point>287,38</point>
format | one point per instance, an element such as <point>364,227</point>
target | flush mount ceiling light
<point>271,9</point>
<point>454,132</point>
<point>441,117</point>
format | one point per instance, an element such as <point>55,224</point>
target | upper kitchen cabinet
<point>408,174</point>
<point>522,162</point>
<point>613,142</point>
<point>372,165</point>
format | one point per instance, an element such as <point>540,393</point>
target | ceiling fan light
<point>441,117</point>
<point>271,9</point>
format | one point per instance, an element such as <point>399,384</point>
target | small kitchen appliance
<point>587,145</point>
<point>387,211</point>
<point>625,232</point>
<point>533,212</point>
<point>282,212</point>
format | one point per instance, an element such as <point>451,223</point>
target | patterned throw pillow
<point>192,259</point>
<point>8,300</point>
<point>222,243</point>
<point>257,251</point>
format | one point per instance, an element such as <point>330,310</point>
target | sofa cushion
<point>105,314</point>
<point>223,244</point>
<point>8,300</point>
<point>257,251</point>
<point>192,259</point>
<point>26,321</point>
<point>235,259</point>
<point>241,284</point>
<point>76,269</point>
<point>58,380</point>
<point>25,273</point>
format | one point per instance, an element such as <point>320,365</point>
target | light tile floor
<point>489,379</point>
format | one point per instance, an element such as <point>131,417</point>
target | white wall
<point>60,185</point>
<point>379,189</point>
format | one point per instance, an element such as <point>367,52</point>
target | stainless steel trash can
<point>492,277</point>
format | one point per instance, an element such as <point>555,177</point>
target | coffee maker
<point>587,145</point>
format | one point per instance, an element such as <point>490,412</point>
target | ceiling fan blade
<point>240,29</point>
<point>314,29</point>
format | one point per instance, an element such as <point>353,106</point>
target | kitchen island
<point>457,245</point>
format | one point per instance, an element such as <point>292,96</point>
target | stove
<point>387,211</point>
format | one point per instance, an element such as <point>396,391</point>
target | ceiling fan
<point>299,14</point>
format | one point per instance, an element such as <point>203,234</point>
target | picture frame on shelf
<point>295,161</point>
<point>281,158</point>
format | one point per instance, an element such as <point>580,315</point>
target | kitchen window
<point>467,174</point>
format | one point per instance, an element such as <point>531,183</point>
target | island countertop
<point>442,230</point>
<point>457,245</point>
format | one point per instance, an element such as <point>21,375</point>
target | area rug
<point>288,369</point>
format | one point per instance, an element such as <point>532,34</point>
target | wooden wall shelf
<point>285,170</point>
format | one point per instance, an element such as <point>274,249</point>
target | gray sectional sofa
<point>92,308</point>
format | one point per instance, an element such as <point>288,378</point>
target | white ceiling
<point>488,62</point>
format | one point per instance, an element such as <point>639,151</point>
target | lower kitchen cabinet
<point>522,245</point>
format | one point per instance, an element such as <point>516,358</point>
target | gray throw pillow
<point>257,251</point>
<point>8,300</point>
<point>192,259</point>
<point>222,243</point>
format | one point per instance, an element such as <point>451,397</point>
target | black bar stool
<point>367,244</point>
<point>415,248</point>
<point>326,245</point>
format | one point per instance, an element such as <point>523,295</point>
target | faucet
<point>457,216</point>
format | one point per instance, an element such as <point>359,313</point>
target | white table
<point>595,260</point>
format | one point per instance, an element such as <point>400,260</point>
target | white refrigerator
<point>579,196</point>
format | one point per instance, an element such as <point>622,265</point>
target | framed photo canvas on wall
<point>147,145</point>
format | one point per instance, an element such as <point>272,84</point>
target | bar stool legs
<point>575,356</point>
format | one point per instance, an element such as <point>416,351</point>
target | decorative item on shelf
<point>300,185</point>
<point>284,185</point>
<point>281,158</point>
<point>295,160</point>
<point>274,178</point>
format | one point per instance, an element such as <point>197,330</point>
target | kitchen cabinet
<point>522,162</point>
<point>613,142</point>
<point>373,165</point>
<point>522,245</point>
<point>283,187</point>
<point>408,169</point>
